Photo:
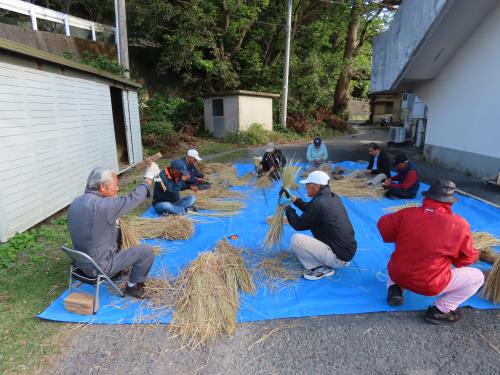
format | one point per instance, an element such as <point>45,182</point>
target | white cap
<point>316,177</point>
<point>194,154</point>
<point>270,147</point>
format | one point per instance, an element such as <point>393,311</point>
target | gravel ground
<point>379,343</point>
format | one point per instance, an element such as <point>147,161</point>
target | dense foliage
<point>201,46</point>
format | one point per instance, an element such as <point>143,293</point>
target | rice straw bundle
<point>208,299</point>
<point>215,191</point>
<point>130,237</point>
<point>219,205</point>
<point>172,227</point>
<point>235,271</point>
<point>401,206</point>
<point>491,288</point>
<point>351,186</point>
<point>269,220</point>
<point>275,233</point>
<point>483,241</point>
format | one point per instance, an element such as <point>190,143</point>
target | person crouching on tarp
<point>272,162</point>
<point>332,245</point>
<point>429,241</point>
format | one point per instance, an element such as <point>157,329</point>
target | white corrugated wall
<point>53,130</point>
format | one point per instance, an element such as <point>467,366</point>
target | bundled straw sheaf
<point>484,241</point>
<point>170,227</point>
<point>275,232</point>
<point>353,186</point>
<point>219,205</point>
<point>491,288</point>
<point>129,235</point>
<point>214,192</point>
<point>209,295</point>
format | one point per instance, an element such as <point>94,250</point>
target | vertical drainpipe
<point>117,32</point>
<point>34,24</point>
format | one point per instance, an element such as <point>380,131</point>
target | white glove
<point>152,171</point>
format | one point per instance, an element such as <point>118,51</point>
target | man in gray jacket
<point>92,224</point>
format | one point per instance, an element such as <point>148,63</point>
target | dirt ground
<point>378,343</point>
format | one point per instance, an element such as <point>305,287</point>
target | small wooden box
<point>80,303</point>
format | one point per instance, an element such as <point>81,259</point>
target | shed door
<point>128,129</point>
<point>135,125</point>
<point>218,117</point>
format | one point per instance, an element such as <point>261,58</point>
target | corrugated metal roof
<point>21,49</point>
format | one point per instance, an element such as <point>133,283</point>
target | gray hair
<point>98,176</point>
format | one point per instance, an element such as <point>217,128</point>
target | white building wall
<point>53,130</point>
<point>255,109</point>
<point>464,103</point>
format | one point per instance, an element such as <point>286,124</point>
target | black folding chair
<point>85,261</point>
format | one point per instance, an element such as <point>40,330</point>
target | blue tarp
<point>360,288</point>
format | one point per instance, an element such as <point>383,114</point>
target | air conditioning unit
<point>407,100</point>
<point>419,110</point>
<point>397,134</point>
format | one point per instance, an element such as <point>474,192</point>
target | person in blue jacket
<point>317,153</point>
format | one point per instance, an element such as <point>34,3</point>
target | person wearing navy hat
<point>406,183</point>
<point>166,197</point>
<point>317,153</point>
<point>433,252</point>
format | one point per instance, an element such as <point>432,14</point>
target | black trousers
<point>399,193</point>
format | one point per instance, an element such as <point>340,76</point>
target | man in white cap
<point>272,162</point>
<point>333,245</point>
<point>197,178</point>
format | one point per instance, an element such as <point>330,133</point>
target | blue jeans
<point>176,208</point>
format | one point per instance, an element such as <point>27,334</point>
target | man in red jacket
<point>429,240</point>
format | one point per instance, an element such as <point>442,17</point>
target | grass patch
<point>229,157</point>
<point>35,273</point>
<point>209,147</point>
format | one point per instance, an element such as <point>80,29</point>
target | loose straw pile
<point>263,181</point>
<point>325,167</point>
<point>223,174</point>
<point>401,206</point>
<point>276,268</point>
<point>275,232</point>
<point>354,187</point>
<point>491,288</point>
<point>209,295</point>
<point>484,241</point>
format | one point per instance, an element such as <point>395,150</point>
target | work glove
<point>284,201</point>
<point>152,171</point>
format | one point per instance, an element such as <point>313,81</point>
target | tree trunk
<point>341,99</point>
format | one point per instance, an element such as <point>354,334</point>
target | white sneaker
<point>318,273</point>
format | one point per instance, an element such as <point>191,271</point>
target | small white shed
<point>234,111</point>
<point>58,120</point>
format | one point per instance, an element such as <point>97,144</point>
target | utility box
<point>235,111</point>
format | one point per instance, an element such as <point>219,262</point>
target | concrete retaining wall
<point>55,43</point>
